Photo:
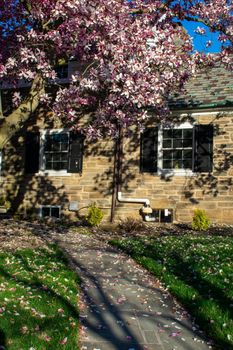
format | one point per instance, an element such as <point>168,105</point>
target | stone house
<point>170,168</point>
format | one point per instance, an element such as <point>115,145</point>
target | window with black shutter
<point>180,150</point>
<point>55,152</point>
<point>32,151</point>
<point>149,150</point>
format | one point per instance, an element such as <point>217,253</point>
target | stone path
<point>123,307</point>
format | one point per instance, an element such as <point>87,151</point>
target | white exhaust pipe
<point>121,199</point>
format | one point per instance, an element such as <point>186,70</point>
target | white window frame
<point>171,172</point>
<point>42,170</point>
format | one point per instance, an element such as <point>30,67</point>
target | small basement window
<point>50,211</point>
<point>161,215</point>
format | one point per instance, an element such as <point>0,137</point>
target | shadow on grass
<point>43,298</point>
<point>40,287</point>
<point>205,291</point>
<point>2,340</point>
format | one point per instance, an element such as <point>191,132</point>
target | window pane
<point>55,212</point>
<point>63,157</point>
<point>57,166</point>
<point>167,143</point>
<point>187,163</point>
<point>56,157</point>
<point>167,154</point>
<point>177,143</point>
<point>167,133</point>
<point>167,164</point>
<point>188,133</point>
<point>49,157</point>
<point>187,143</point>
<point>45,211</point>
<point>187,153</point>
<point>64,146</point>
<point>177,154</point>
<point>64,165</point>
<point>177,133</point>
<point>48,165</point>
<point>177,164</point>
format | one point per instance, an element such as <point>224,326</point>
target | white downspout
<point>144,201</point>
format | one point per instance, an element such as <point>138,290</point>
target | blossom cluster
<point>133,55</point>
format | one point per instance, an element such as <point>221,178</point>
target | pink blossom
<point>130,55</point>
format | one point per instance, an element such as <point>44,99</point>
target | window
<point>56,151</point>
<point>178,150</point>
<point>49,211</point>
<point>53,152</point>
<point>175,151</point>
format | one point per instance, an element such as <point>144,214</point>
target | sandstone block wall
<point>211,192</point>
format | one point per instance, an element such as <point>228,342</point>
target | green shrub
<point>200,222</point>
<point>94,215</point>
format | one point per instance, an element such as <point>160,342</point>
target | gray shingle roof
<point>211,87</point>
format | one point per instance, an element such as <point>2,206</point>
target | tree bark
<point>12,123</point>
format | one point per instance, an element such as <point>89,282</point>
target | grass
<point>198,271</point>
<point>38,301</point>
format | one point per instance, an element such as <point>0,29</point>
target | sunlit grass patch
<point>198,271</point>
<point>38,301</point>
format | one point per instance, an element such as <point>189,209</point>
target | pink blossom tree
<point>132,56</point>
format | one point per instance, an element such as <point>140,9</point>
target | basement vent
<point>50,211</point>
<point>161,215</point>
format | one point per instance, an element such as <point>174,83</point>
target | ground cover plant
<point>38,300</point>
<point>198,271</point>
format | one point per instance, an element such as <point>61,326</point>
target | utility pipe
<point>121,199</point>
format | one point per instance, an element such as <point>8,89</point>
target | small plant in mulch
<point>94,216</point>
<point>201,221</point>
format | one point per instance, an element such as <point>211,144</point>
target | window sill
<point>167,173</point>
<point>53,173</point>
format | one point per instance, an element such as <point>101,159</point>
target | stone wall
<point>212,192</point>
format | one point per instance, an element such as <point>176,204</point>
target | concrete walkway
<point>123,307</point>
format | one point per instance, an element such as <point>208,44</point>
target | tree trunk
<point>11,124</point>
<point>117,172</point>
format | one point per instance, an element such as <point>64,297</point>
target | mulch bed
<point>17,234</point>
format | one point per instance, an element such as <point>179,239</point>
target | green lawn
<point>198,271</point>
<point>38,301</point>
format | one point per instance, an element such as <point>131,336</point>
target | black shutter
<point>75,153</point>
<point>203,148</point>
<point>149,150</point>
<point>32,152</point>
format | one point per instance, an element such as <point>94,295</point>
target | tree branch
<point>11,124</point>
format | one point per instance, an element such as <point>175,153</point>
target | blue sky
<point>199,41</point>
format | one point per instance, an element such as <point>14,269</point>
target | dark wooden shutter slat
<point>149,150</point>
<point>75,153</point>
<point>203,148</point>
<point>32,152</point>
